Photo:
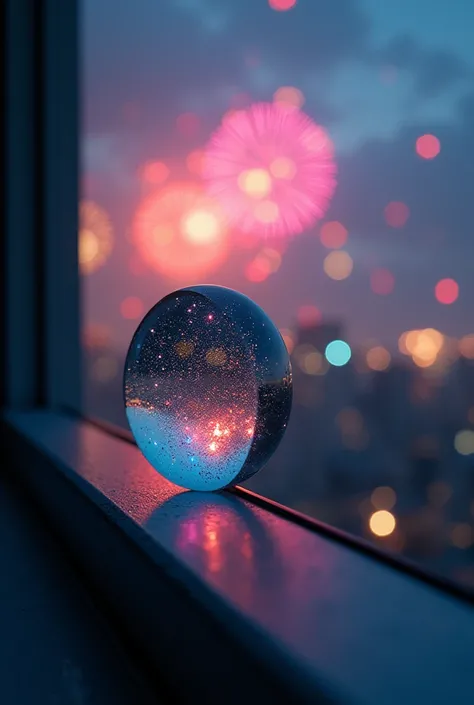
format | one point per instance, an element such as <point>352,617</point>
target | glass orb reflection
<point>208,387</point>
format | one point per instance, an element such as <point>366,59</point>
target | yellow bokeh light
<point>289,96</point>
<point>283,168</point>
<point>423,345</point>
<point>338,265</point>
<point>383,498</point>
<point>256,183</point>
<point>88,246</point>
<point>201,227</point>
<point>382,523</point>
<point>378,358</point>
<point>464,442</point>
<point>95,238</point>
<point>466,347</point>
<point>313,363</point>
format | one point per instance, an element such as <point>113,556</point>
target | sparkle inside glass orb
<point>207,387</point>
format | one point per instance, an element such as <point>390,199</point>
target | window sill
<point>225,597</point>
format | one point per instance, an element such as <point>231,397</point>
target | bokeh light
<point>201,227</point>
<point>195,162</point>
<point>338,265</point>
<point>289,96</point>
<point>466,346</point>
<point>245,152</point>
<point>338,353</point>
<point>382,523</point>
<point>283,168</point>
<point>181,232</point>
<point>154,173</point>
<point>258,269</point>
<point>310,360</point>
<point>383,498</point>
<point>281,5</point>
<point>95,240</point>
<point>333,235</point>
<point>308,316</point>
<point>382,281</point>
<point>428,146</point>
<point>462,535</point>
<point>447,291</point>
<point>396,214</point>
<point>464,442</point>
<point>256,183</point>
<point>288,339</point>
<point>132,308</point>
<point>378,358</point>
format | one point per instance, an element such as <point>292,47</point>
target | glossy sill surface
<point>376,635</point>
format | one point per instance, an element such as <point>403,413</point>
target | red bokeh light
<point>396,214</point>
<point>281,5</point>
<point>188,124</point>
<point>132,307</point>
<point>195,162</point>
<point>180,231</point>
<point>243,168</point>
<point>447,291</point>
<point>258,270</point>
<point>155,173</point>
<point>382,281</point>
<point>308,316</point>
<point>333,235</point>
<point>428,146</point>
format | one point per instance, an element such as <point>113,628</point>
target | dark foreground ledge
<point>227,602</point>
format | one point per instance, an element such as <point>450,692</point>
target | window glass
<point>326,151</point>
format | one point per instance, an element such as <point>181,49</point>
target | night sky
<point>376,75</point>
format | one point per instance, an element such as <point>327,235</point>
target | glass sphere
<point>208,387</point>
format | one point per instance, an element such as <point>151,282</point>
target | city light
<point>382,523</point>
<point>382,281</point>
<point>338,265</point>
<point>282,5</point>
<point>396,214</point>
<point>378,358</point>
<point>428,146</point>
<point>333,235</point>
<point>338,353</point>
<point>464,442</point>
<point>447,291</point>
<point>308,316</point>
<point>466,346</point>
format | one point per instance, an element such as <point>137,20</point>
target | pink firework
<point>271,168</point>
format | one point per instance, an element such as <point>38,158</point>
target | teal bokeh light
<point>338,353</point>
